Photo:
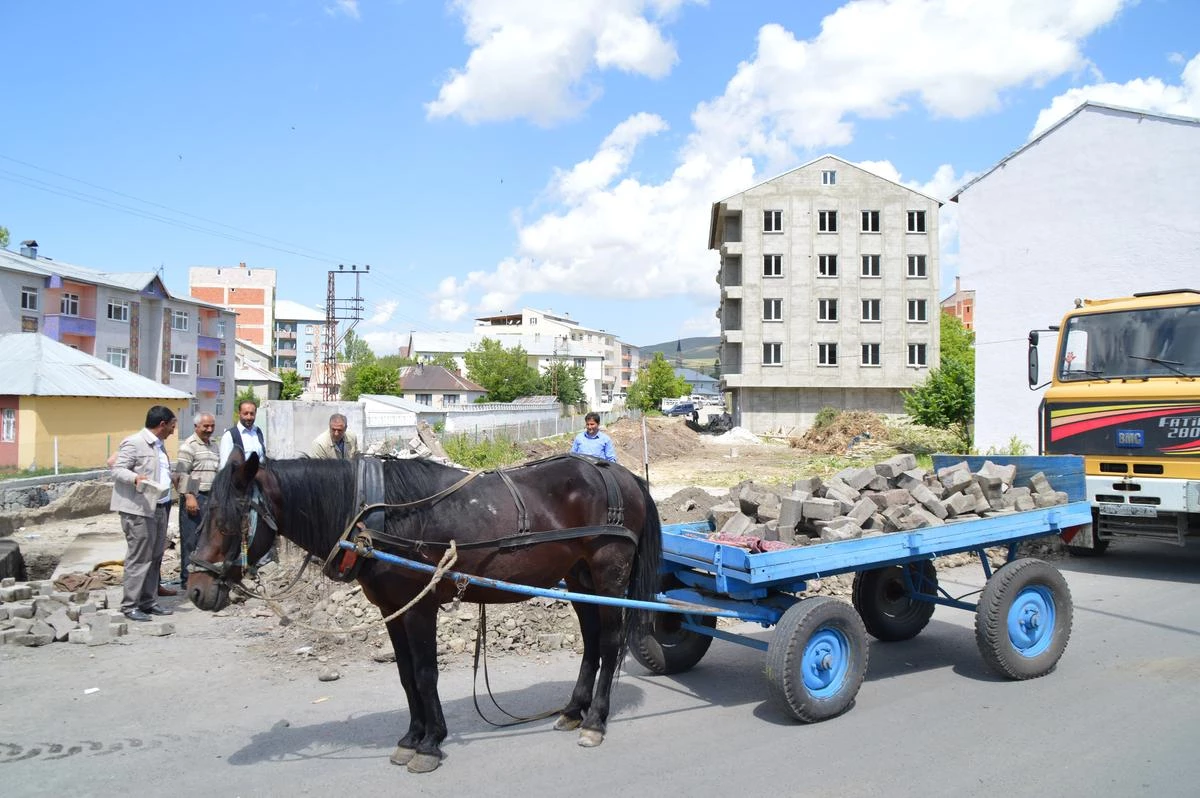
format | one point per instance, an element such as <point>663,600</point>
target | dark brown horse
<point>588,522</point>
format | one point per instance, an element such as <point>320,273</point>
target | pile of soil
<point>855,431</point>
<point>668,438</point>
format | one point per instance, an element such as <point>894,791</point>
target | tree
<point>656,381</point>
<point>355,349</point>
<point>3,236</point>
<point>505,373</point>
<point>370,378</point>
<point>293,386</point>
<point>947,396</point>
<point>564,381</point>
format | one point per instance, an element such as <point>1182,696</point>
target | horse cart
<point>817,654</point>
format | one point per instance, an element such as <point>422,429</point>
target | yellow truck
<point>1125,394</point>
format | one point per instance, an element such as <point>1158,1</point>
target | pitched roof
<point>841,161</point>
<point>1086,105</point>
<point>245,371</point>
<point>436,378</point>
<point>287,310</point>
<point>35,365</point>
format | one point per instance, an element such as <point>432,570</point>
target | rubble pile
<point>891,496</point>
<point>37,614</point>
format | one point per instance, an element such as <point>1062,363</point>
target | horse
<point>572,518</point>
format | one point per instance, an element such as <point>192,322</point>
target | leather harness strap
<point>522,513</point>
<point>616,504</point>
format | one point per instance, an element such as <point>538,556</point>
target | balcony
<point>57,326</point>
<point>207,343</point>
<point>729,336</point>
<point>731,292</point>
<point>209,384</point>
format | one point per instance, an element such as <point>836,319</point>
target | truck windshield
<point>1154,342</point>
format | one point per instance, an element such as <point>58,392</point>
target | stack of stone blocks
<point>892,496</point>
<point>36,614</point>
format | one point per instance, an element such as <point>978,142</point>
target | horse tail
<point>645,570</point>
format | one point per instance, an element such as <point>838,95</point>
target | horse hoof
<point>402,756</point>
<point>590,738</point>
<point>565,723</point>
<point>424,763</point>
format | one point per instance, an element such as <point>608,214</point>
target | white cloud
<point>383,312</point>
<point>614,235</point>
<point>536,60</point>
<point>347,7</point>
<point>1146,94</point>
<point>385,342</point>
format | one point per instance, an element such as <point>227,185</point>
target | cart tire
<point>817,658</point>
<point>669,648</point>
<point>887,611</point>
<point>1023,621</point>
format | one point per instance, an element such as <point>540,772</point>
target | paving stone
<point>821,509</point>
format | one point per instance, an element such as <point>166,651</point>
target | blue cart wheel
<point>817,658</point>
<point>888,610</point>
<point>1023,621</point>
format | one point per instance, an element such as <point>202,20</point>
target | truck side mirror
<point>1033,358</point>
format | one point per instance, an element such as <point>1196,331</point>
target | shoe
<point>136,615</point>
<point>157,610</point>
<point>163,590</point>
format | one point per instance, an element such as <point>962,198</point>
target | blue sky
<point>488,155</point>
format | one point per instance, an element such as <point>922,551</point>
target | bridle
<point>252,509</point>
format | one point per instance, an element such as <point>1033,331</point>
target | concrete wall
<point>1104,206</point>
<point>289,427</point>
<point>789,411</point>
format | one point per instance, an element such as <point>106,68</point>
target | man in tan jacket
<point>142,496</point>
<point>337,443</point>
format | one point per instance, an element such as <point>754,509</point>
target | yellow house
<point>60,406</point>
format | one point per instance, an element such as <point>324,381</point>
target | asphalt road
<point>199,714</point>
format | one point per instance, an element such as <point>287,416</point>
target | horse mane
<point>410,478</point>
<point>318,499</point>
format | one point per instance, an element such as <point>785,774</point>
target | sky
<point>482,156</point>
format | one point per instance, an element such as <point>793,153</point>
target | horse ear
<point>244,474</point>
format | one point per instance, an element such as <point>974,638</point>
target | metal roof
<point>39,366</point>
<point>287,310</point>
<point>436,378</point>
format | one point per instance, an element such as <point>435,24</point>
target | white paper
<point>153,488</point>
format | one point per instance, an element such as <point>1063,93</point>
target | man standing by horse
<point>244,435</point>
<point>142,496</point>
<point>196,467</point>
<point>336,443</point>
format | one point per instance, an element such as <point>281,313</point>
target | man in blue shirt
<point>592,441</point>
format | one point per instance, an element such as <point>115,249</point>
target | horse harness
<point>256,509</point>
<point>368,524</point>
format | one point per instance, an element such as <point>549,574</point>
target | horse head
<point>237,530</point>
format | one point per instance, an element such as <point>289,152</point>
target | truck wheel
<point>817,658</point>
<point>888,612</point>
<point>1023,620</point>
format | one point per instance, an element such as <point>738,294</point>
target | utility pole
<point>338,309</point>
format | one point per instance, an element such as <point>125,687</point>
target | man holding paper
<point>142,496</point>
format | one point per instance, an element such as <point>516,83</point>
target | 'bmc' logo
<point>1131,438</point>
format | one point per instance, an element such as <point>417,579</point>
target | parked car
<point>682,409</point>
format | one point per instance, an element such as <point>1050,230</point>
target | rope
<point>272,601</point>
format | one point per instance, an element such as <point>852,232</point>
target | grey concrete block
<point>809,485</point>
<point>156,628</point>
<point>862,511</point>
<point>719,514</point>
<point>20,592</point>
<point>922,517</point>
<point>737,525</point>
<point>928,500</point>
<point>821,509</point>
<point>1039,484</point>
<point>837,489</point>
<point>1006,474</point>
<point>911,478</point>
<point>61,624</point>
<point>960,503</point>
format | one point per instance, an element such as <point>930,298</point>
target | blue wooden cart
<point>817,655</point>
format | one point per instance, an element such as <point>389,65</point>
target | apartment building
<point>250,293</point>
<point>128,319</point>
<point>961,304</point>
<point>298,339</point>
<point>829,294</point>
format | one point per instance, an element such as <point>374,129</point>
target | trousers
<point>189,534</point>
<point>145,542</point>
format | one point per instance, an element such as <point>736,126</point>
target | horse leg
<point>595,722</point>
<point>420,627</point>
<point>581,696</point>
<point>406,746</point>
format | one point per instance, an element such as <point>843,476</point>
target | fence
<point>490,426</point>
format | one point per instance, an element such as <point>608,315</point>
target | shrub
<point>825,417</point>
<point>488,453</point>
<point>919,439</point>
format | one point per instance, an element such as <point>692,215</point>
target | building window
<point>826,221</point>
<point>220,368</point>
<point>450,399</point>
<point>69,305</point>
<point>870,265</point>
<point>916,354</point>
<point>826,310</point>
<point>916,310</point>
<point>118,356</point>
<point>916,221</point>
<point>8,433</point>
<point>870,354</point>
<point>772,265</point>
<point>916,266</point>
<point>772,310</point>
<point>772,221</point>
<point>179,364</point>
<point>219,411</point>
<point>581,362</point>
<point>872,309</point>
<point>179,320</point>
<point>870,221</point>
<point>29,298</point>
<point>423,398</point>
<point>826,354</point>
<point>827,265</point>
<point>29,324</point>
<point>220,328</point>
<point>829,177</point>
<point>118,310</point>
<point>773,354</point>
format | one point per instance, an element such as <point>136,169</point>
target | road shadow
<point>1140,559</point>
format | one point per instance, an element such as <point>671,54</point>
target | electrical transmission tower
<point>338,309</point>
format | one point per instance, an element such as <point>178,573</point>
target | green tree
<point>656,381</point>
<point>370,378</point>
<point>355,349</point>
<point>293,386</point>
<point>505,373</point>
<point>564,381</point>
<point>946,399</point>
<point>3,236</point>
